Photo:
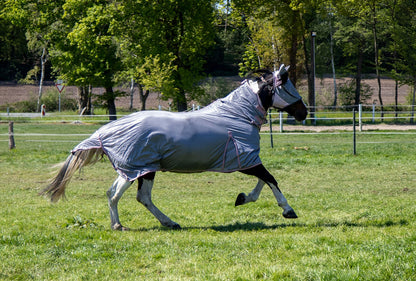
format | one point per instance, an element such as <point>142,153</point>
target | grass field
<point>357,214</point>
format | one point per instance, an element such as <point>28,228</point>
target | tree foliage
<point>167,46</point>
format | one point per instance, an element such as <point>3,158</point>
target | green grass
<point>357,215</point>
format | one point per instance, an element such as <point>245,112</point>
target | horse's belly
<point>198,151</point>
<point>210,146</point>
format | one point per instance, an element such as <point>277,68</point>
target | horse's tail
<point>78,159</point>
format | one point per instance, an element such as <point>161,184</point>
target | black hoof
<point>241,198</point>
<point>176,227</point>
<point>290,215</point>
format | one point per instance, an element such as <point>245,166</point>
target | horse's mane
<point>264,78</point>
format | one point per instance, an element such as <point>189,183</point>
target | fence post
<point>374,112</point>
<point>281,121</point>
<point>360,116</point>
<point>354,133</point>
<point>271,128</point>
<point>11,136</point>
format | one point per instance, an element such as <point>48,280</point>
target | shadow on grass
<point>256,226</point>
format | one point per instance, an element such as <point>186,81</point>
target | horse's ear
<point>283,73</point>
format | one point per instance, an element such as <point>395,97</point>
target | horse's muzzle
<point>301,115</point>
<point>297,110</point>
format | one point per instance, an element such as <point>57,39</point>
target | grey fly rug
<point>222,137</point>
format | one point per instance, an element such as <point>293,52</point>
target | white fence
<point>274,129</point>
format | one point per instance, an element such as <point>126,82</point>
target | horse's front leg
<point>242,198</point>
<point>114,194</point>
<point>265,177</point>
<point>144,196</point>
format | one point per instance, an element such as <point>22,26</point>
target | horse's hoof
<point>290,214</point>
<point>172,225</point>
<point>176,227</point>
<point>119,227</point>
<point>241,199</point>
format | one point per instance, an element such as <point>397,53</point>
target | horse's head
<point>276,90</point>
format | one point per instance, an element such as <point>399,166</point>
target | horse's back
<point>205,140</point>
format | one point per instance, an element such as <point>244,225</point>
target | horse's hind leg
<point>265,177</point>
<point>144,196</point>
<point>114,194</point>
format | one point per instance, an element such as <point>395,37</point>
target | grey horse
<point>222,137</point>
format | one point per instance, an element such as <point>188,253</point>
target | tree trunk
<point>181,102</point>
<point>358,77</point>
<point>84,100</point>
<point>309,61</point>
<point>12,144</point>
<point>112,112</point>
<point>396,98</point>
<point>43,60</point>
<point>293,51</point>
<point>395,66</point>
<point>131,94</point>
<point>334,77</point>
<point>143,96</point>
<point>413,101</point>
<point>376,60</point>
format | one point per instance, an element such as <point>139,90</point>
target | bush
<point>50,99</point>
<point>25,106</point>
<point>347,93</point>
<point>212,89</point>
<point>409,97</point>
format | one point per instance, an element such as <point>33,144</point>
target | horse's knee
<point>112,198</point>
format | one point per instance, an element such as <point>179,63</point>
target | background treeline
<point>170,46</point>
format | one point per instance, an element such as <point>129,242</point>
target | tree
<point>85,52</point>
<point>41,16</point>
<point>224,56</point>
<point>154,76</point>
<point>15,58</point>
<point>177,33</point>
<point>150,69</point>
<point>268,44</point>
<point>403,32</point>
<point>353,36</point>
<point>184,28</point>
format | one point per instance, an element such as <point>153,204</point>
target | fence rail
<point>322,116</point>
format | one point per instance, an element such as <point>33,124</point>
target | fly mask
<point>285,96</point>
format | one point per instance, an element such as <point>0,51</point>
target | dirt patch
<point>325,88</point>
<point>12,92</point>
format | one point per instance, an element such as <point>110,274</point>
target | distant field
<point>11,92</point>
<point>357,214</point>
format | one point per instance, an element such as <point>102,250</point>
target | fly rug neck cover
<point>222,137</point>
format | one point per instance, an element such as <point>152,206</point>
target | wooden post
<point>271,128</point>
<point>11,136</point>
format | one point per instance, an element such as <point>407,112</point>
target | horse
<point>222,137</point>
